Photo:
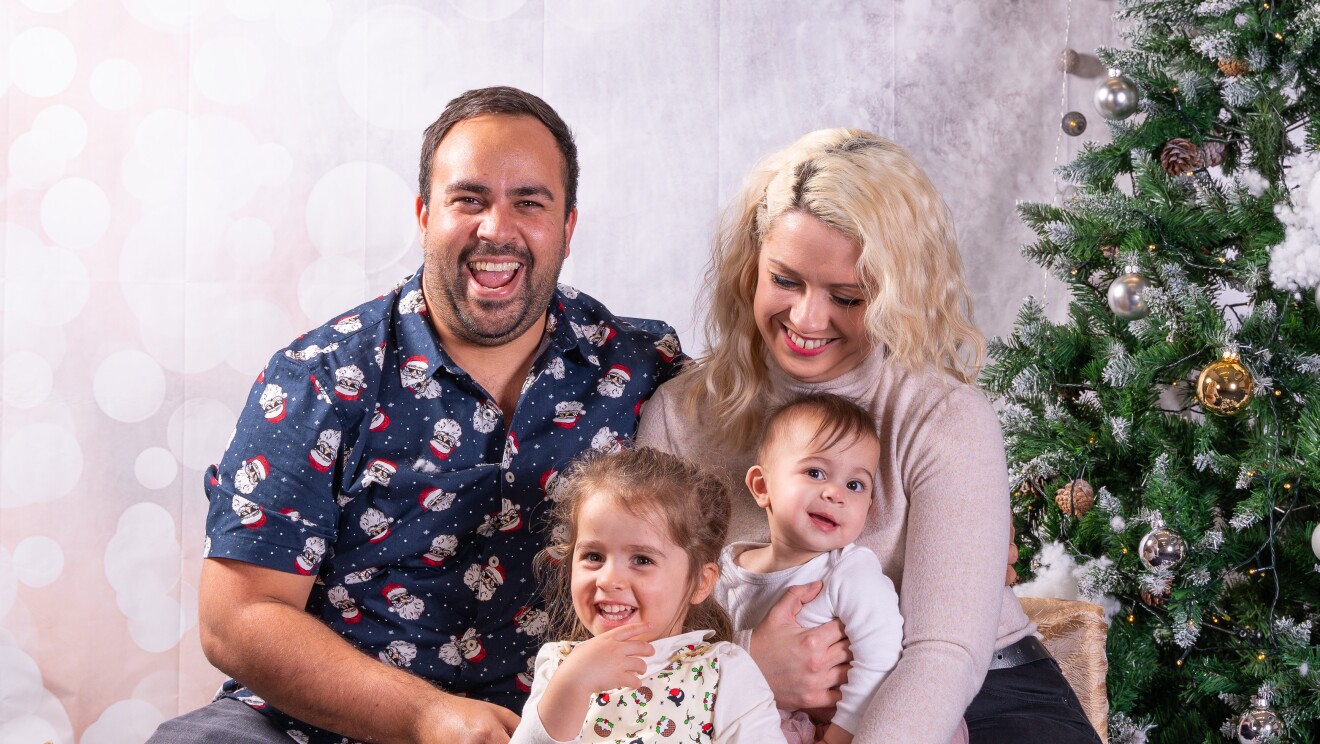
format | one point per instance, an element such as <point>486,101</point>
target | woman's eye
<point>782,281</point>
<point>847,301</point>
<point>815,473</point>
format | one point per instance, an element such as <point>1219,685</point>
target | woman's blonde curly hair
<point>872,191</point>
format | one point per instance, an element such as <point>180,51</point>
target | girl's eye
<point>642,560</point>
<point>592,557</point>
<point>815,473</point>
<point>856,486</point>
<point>846,301</point>
<point>782,281</point>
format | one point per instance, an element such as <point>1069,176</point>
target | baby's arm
<point>744,705</point>
<point>858,593</point>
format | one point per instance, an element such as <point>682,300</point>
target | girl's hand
<point>612,659</point>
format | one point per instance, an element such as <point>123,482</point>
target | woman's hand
<point>615,658</point>
<point>805,666</point>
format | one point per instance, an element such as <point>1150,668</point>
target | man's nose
<point>496,225</point>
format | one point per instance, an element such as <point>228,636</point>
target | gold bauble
<point>1075,498</point>
<point>1225,387</point>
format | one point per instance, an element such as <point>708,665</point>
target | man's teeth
<point>492,266</point>
<point>807,343</point>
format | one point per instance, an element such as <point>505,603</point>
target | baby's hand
<point>612,659</point>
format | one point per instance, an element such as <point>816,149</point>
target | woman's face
<point>809,304</point>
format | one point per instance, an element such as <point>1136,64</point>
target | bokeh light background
<point>191,184</point>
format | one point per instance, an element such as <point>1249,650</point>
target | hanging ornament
<point>1067,60</point>
<point>1315,541</point>
<point>1233,67</point>
<point>1161,548</point>
<point>1074,123</point>
<point>1225,387</point>
<point>1075,498</point>
<point>1155,600</point>
<point>1180,157</point>
<point>1127,295</point>
<point>1259,724</point>
<point>1212,152</point>
<point>1316,296</point>
<point>1109,251</point>
<point>1117,97</point>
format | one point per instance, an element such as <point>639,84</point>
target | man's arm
<point>254,628</point>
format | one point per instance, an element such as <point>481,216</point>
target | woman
<point>837,270</point>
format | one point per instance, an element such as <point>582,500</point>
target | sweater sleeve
<point>859,594</point>
<point>530,729</point>
<point>955,550</point>
<point>744,706</point>
<point>653,430</point>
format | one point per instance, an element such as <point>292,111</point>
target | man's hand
<point>805,666</point>
<point>460,720</point>
<point>612,659</point>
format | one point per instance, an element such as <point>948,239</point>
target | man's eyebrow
<point>540,191</point>
<point>518,192</point>
<point>468,186</point>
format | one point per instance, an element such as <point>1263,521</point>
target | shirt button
<point>508,476</point>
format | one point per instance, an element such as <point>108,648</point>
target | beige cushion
<point>1074,632</point>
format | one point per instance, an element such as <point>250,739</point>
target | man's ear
<point>756,484</point>
<point>423,214</point>
<point>705,583</point>
<point>569,224</point>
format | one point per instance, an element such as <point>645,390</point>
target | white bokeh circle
<point>142,558</point>
<point>598,15</point>
<point>229,70</point>
<point>48,287</point>
<point>42,62</point>
<point>155,468</point>
<point>330,284</point>
<point>27,379</point>
<point>38,561</point>
<point>8,591</point>
<point>20,685</point>
<point>68,126</point>
<point>75,213</point>
<point>264,327</point>
<point>379,59</point>
<point>157,623</point>
<point>249,241</point>
<point>124,722</point>
<point>363,210</point>
<point>116,84</point>
<point>156,168</point>
<point>250,10</point>
<point>34,158</point>
<point>224,164</point>
<point>487,10</point>
<point>276,163</point>
<point>49,6</point>
<point>199,431</point>
<point>41,462</point>
<point>166,15</point>
<point>129,386</point>
<point>304,22</point>
<point>27,727</point>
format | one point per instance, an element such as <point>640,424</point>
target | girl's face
<point>809,304</point>
<point>627,570</point>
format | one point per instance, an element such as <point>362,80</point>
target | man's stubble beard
<point>469,319</point>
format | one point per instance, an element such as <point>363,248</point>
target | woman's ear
<point>710,573</point>
<point>756,484</point>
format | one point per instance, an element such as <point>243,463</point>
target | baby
<point>814,477</point>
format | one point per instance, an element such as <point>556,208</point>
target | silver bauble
<point>1116,98</point>
<point>1074,123</point>
<point>1127,296</point>
<point>1259,725</point>
<point>1315,541</point>
<point>1316,296</point>
<point>1161,548</point>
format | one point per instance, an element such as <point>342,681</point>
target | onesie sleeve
<point>744,705</point>
<point>530,729</point>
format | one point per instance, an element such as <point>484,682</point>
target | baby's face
<point>816,499</point>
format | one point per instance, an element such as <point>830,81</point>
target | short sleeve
<point>530,729</point>
<point>272,495</point>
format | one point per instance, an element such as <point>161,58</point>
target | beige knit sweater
<point>939,523</point>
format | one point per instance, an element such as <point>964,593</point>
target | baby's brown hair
<point>839,420</point>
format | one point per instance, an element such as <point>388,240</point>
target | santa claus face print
<point>484,580</point>
<point>310,557</point>
<point>349,382</point>
<point>272,403</point>
<point>567,414</point>
<point>606,441</point>
<point>627,569</point>
<point>496,230</point>
<point>485,417</point>
<point>403,603</point>
<point>809,303</point>
<point>322,456</point>
<point>379,471</point>
<point>399,654</point>
<point>446,438</point>
<point>374,522</point>
<point>614,380</point>
<point>251,473</point>
<point>436,499</point>
<point>250,514</point>
<point>348,323</point>
<point>668,347</point>
<point>442,547</point>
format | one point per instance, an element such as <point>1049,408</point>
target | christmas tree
<point>1165,436</point>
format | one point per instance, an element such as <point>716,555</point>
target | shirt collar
<point>665,648</point>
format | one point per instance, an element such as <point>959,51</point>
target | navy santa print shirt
<point>365,457</point>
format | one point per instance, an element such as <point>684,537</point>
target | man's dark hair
<point>505,101</point>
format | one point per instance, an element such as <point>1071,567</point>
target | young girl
<point>646,655</point>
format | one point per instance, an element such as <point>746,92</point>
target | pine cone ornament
<point>1233,67</point>
<point>1180,157</point>
<point>1109,251</point>
<point>1154,600</point>
<point>1076,498</point>
<point>1212,152</point>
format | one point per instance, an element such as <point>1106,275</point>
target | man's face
<point>495,233</point>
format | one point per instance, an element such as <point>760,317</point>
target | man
<point>369,543</point>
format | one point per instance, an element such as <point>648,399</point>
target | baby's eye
<point>784,282</point>
<point>856,486</point>
<point>814,473</point>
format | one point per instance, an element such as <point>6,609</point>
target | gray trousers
<point>226,721</point>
